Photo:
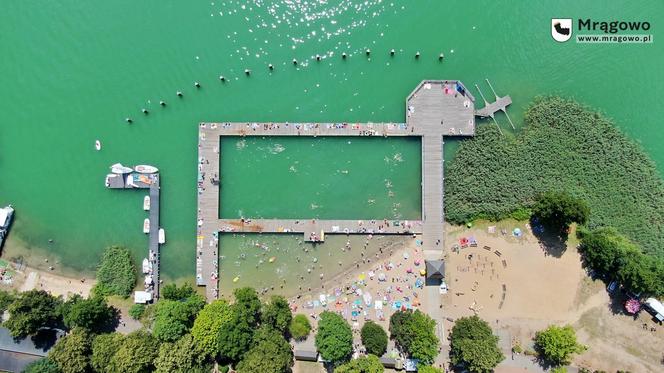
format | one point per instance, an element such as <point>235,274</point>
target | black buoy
<point>391,52</point>
<point>417,55</point>
<point>129,120</point>
<point>162,103</point>
<point>294,62</point>
<point>222,78</point>
<point>343,55</point>
<point>440,57</point>
<point>270,67</point>
<point>318,57</point>
<point>197,84</point>
<point>145,111</point>
<point>368,51</point>
<point>179,94</point>
<point>247,71</point>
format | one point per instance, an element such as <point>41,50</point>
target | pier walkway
<point>436,108</point>
<point>152,182</point>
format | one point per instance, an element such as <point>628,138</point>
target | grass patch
<point>563,146</point>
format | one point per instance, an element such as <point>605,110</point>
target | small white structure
<point>656,308</point>
<point>142,297</point>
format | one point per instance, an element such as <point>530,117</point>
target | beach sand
<point>28,278</point>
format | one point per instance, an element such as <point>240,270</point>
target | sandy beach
<point>28,278</point>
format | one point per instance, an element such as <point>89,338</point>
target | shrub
<point>299,327</point>
<point>136,311</point>
<point>364,364</point>
<point>557,210</point>
<point>557,344</point>
<point>116,274</point>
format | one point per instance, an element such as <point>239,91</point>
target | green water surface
<point>72,71</point>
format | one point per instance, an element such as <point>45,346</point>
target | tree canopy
<point>557,344</point>
<point>183,356</point>
<point>277,314</point>
<point>474,346</point>
<point>136,354</point>
<point>92,314</point>
<point>414,333</point>
<point>299,327</point>
<point>72,352</point>
<point>173,292</point>
<point>364,364</point>
<point>116,274</point>
<point>374,338</point>
<point>271,353</point>
<point>44,365</point>
<point>6,298</point>
<point>174,318</point>
<point>104,346</point>
<point>32,310</point>
<point>557,210</point>
<point>334,339</point>
<point>206,327</point>
<point>428,369</point>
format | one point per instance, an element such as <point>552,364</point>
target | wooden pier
<point>436,108</point>
<point>151,182</point>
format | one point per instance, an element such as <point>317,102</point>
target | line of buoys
<point>269,66</point>
<point>368,51</point>
<point>222,78</point>
<point>441,56</point>
<point>247,71</point>
<point>145,111</point>
<point>318,57</point>
<point>343,55</point>
<point>391,52</point>
<point>129,120</point>
<point>294,62</point>
<point>417,55</point>
<point>179,94</point>
<point>197,84</point>
<point>162,103</point>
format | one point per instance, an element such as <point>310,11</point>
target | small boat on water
<point>146,203</point>
<point>146,169</point>
<point>162,236</point>
<point>147,266</point>
<point>118,168</point>
<point>107,182</point>
<point>146,226</point>
<point>98,145</point>
<point>6,217</point>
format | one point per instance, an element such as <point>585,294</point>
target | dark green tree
<point>474,346</point>
<point>235,337</point>
<point>299,327</point>
<point>248,305</point>
<point>104,347</point>
<point>557,210</point>
<point>557,344</point>
<point>32,310</point>
<point>277,314</point>
<point>44,365</point>
<point>136,311</point>
<point>183,356</point>
<point>72,352</point>
<point>92,314</point>
<point>603,249</point>
<point>414,333</point>
<point>364,364</point>
<point>374,338</point>
<point>6,298</point>
<point>271,353</point>
<point>212,318</point>
<point>136,354</point>
<point>116,274</point>
<point>173,292</point>
<point>334,339</point>
<point>173,318</point>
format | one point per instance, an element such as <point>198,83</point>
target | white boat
<point>107,182</point>
<point>146,203</point>
<point>118,168</point>
<point>146,169</point>
<point>147,266</point>
<point>146,225</point>
<point>6,217</point>
<point>162,236</point>
<point>98,145</point>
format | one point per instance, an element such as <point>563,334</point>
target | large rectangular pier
<point>436,108</point>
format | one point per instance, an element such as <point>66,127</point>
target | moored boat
<point>147,266</point>
<point>162,236</point>
<point>146,169</point>
<point>146,203</point>
<point>6,217</point>
<point>98,145</point>
<point>146,225</point>
<point>118,168</point>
